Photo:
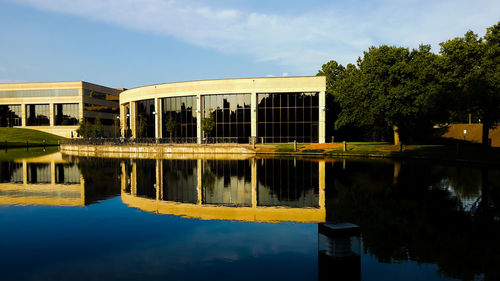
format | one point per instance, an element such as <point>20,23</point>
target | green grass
<point>16,137</point>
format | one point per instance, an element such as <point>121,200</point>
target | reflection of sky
<point>109,240</point>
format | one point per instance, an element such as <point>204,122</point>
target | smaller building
<point>58,107</point>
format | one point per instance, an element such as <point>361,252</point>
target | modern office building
<point>58,107</point>
<point>277,109</point>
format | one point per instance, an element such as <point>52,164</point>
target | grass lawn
<point>16,137</point>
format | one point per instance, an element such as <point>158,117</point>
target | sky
<point>131,43</point>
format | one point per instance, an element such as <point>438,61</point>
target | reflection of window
<point>37,115</point>
<point>67,174</point>
<point>38,173</point>
<point>285,117</point>
<point>10,115</point>
<point>66,114</point>
<point>288,183</point>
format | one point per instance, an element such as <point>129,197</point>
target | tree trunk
<point>396,135</point>
<point>486,132</point>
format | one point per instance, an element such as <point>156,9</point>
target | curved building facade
<point>281,109</point>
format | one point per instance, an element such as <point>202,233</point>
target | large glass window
<point>39,93</point>
<point>285,117</point>
<point>231,114</point>
<point>37,115</point>
<point>10,115</point>
<point>145,119</point>
<point>66,114</point>
<point>179,117</point>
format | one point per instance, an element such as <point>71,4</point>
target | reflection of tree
<point>208,180</point>
<point>416,219</point>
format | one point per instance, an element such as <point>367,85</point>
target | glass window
<point>288,116</point>
<point>145,119</point>
<point>179,117</point>
<point>231,115</point>
<point>37,115</point>
<point>66,114</point>
<point>39,93</point>
<point>10,115</point>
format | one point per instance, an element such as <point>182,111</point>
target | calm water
<point>64,218</point>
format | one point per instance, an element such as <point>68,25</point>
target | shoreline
<point>238,151</point>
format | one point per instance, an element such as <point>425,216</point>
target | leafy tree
<point>470,68</point>
<point>391,87</point>
<point>140,126</point>
<point>170,126</point>
<point>207,124</point>
<point>85,129</point>
<point>98,128</point>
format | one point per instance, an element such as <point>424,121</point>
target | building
<point>277,109</point>
<point>58,107</point>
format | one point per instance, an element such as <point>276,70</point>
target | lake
<point>210,218</point>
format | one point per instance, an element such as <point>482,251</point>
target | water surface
<point>66,218</point>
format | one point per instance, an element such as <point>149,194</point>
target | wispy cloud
<point>304,40</point>
<point>3,69</point>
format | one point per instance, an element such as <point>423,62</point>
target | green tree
<point>207,124</point>
<point>170,126</point>
<point>391,87</point>
<point>140,126</point>
<point>470,66</point>
<point>85,129</point>
<point>98,127</point>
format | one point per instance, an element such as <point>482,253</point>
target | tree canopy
<point>408,91</point>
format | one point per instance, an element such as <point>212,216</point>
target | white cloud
<point>3,69</point>
<point>284,74</point>
<point>303,41</point>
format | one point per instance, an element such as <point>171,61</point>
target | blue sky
<point>130,43</point>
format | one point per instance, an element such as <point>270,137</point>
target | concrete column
<point>133,112</point>
<point>199,115</point>
<point>23,115</point>
<point>321,185</point>
<point>199,166</point>
<point>123,119</point>
<point>253,115</point>
<point>322,117</point>
<point>158,120</point>
<point>253,163</point>
<point>52,172</point>
<point>51,113</point>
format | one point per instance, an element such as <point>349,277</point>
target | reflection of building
<point>273,109</point>
<point>57,107</point>
<point>226,189</point>
<point>46,180</point>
